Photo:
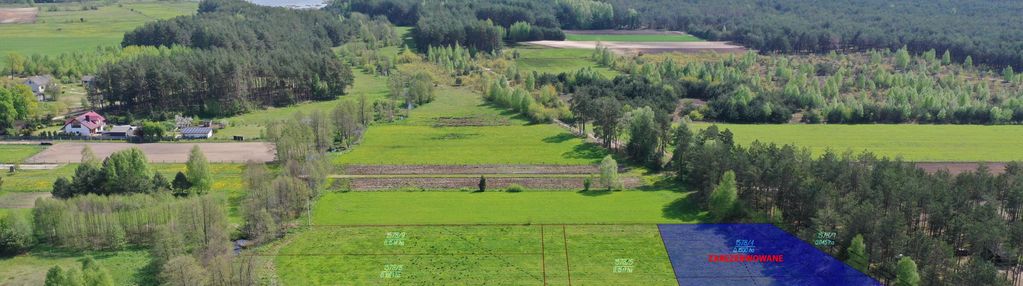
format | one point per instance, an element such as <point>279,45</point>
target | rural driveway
<point>160,152</point>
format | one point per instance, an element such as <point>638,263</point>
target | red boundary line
<point>543,257</point>
<point>568,266</point>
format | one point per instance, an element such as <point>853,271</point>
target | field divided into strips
<point>914,142</point>
<point>554,61</point>
<point>73,29</point>
<point>476,255</point>
<point>457,128</point>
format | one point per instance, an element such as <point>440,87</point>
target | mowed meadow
<point>554,61</point>
<point>476,255</point>
<point>530,207</point>
<point>72,28</point>
<point>458,128</point>
<point>911,142</point>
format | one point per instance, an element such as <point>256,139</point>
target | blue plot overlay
<point>689,245</point>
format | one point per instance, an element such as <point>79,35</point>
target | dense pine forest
<point>243,57</point>
<point>990,31</point>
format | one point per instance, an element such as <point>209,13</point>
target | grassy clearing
<point>125,267</point>
<point>555,61</point>
<point>424,139</point>
<point>16,153</point>
<point>368,208</point>
<point>73,29</point>
<point>475,255</point>
<point>935,143</point>
<point>250,125</point>
<point>633,37</point>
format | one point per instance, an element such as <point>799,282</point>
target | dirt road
<point>160,152</point>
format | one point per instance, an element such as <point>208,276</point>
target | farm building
<point>196,132</point>
<point>39,84</point>
<point>87,124</point>
<point>121,131</point>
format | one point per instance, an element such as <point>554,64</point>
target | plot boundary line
<point>660,233</point>
<point>390,254</point>
<point>493,224</point>
<point>543,257</point>
<point>568,266</point>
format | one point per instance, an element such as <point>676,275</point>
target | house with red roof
<point>87,124</point>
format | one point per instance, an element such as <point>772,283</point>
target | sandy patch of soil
<point>648,47</point>
<point>160,152</point>
<point>18,15</point>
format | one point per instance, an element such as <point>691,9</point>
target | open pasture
<point>17,153</point>
<point>68,27</point>
<point>476,255</point>
<point>539,59</point>
<point>459,129</point>
<point>913,142</point>
<point>530,207</point>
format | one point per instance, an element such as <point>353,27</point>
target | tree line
<point>243,56</point>
<point>881,209</point>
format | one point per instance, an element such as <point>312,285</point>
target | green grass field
<point>425,137</point>
<point>555,61</point>
<point>476,255</point>
<point>931,143</point>
<point>250,125</point>
<point>369,208</point>
<point>125,267</point>
<point>16,153</point>
<point>633,37</point>
<point>73,29</point>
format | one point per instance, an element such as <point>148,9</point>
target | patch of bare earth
<point>375,184</point>
<point>469,121</point>
<point>467,169</point>
<point>623,32</point>
<point>956,168</point>
<point>648,47</point>
<point>18,15</point>
<point>239,152</point>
